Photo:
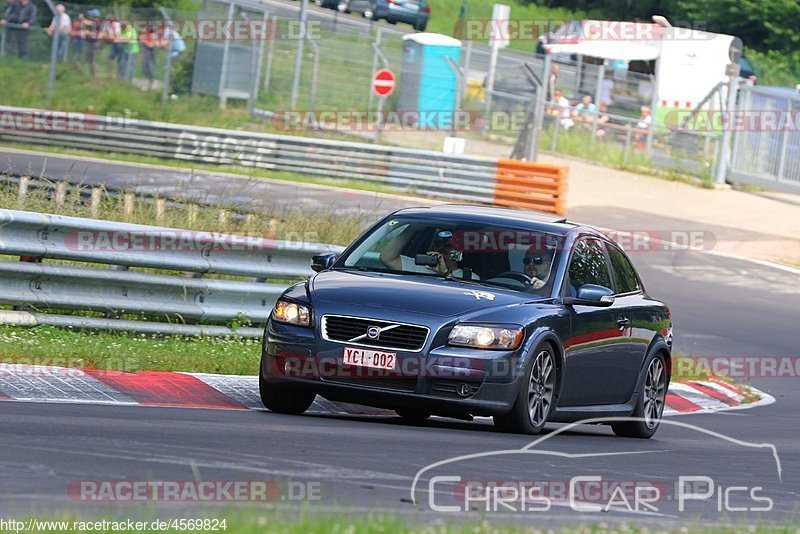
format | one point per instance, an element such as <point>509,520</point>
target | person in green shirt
<point>129,40</point>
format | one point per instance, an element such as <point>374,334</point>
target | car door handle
<point>622,322</point>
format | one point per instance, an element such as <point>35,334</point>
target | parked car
<point>465,311</point>
<point>414,12</point>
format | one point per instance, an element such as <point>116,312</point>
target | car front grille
<point>354,329</point>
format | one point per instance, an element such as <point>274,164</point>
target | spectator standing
<point>20,15</point>
<point>91,34</point>
<point>644,124</point>
<point>552,80</point>
<point>76,36</point>
<point>59,29</point>
<point>149,42</point>
<point>129,40</point>
<point>111,30</point>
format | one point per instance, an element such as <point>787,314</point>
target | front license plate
<point>370,358</point>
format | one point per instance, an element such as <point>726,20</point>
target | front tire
<point>650,405</point>
<point>282,398</point>
<point>534,402</point>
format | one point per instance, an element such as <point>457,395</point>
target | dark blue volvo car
<point>465,311</point>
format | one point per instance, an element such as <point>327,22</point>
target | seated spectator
<point>643,126</point>
<point>562,110</point>
<point>585,111</point>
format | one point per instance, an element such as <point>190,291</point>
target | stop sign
<point>383,83</point>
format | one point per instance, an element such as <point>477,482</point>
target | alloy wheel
<point>655,392</point>
<point>540,389</point>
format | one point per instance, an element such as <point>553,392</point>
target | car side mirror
<point>591,295</point>
<point>322,262</point>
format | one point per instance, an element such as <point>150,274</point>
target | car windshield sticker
<point>480,294</point>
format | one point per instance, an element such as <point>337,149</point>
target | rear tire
<point>535,399</point>
<point>415,417</point>
<point>420,26</point>
<point>650,405</point>
<point>281,398</point>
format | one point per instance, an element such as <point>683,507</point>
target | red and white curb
<point>36,383</point>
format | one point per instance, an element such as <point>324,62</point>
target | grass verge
<point>45,345</point>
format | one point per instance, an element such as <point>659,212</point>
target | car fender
<point>539,335</point>
<point>657,344</point>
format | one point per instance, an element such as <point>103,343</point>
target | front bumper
<point>440,379</point>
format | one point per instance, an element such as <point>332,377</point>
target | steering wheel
<point>519,277</point>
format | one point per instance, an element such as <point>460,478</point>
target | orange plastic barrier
<point>531,185</point>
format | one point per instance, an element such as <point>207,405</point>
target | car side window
<point>624,273</point>
<point>588,265</point>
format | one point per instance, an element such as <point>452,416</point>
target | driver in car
<point>537,264</point>
<point>441,248</point>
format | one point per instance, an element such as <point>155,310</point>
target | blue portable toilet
<point>428,83</point>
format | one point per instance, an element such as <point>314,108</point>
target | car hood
<point>417,294</point>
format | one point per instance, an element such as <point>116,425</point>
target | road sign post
<point>383,83</point>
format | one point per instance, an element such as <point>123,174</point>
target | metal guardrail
<point>117,290</point>
<point>421,171</point>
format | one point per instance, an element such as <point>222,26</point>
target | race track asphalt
<point>720,307</point>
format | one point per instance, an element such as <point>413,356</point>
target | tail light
<point>394,2</point>
<point>426,10</point>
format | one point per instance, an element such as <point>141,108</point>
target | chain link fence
<point>297,79</point>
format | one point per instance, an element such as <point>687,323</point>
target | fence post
<point>784,142</point>
<point>314,75</point>
<point>465,69</point>
<point>51,80</point>
<point>167,68</point>
<point>223,75</point>
<point>375,47</point>
<point>3,41</point>
<point>626,152</point>
<point>298,62</point>
<point>556,129</point>
<point>271,51</point>
<point>487,92</point>
<point>722,164</point>
<point>601,72</point>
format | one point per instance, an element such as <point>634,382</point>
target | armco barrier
<point>440,175</point>
<point>117,290</point>
<point>531,185</point>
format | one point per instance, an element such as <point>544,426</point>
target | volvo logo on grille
<point>373,332</point>
<point>463,390</point>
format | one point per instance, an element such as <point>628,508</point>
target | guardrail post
<point>94,202</point>
<point>193,212</point>
<point>24,183</point>
<point>61,193</point>
<point>161,208</point>
<point>128,202</point>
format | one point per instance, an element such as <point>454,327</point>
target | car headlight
<point>291,313</point>
<point>479,336</point>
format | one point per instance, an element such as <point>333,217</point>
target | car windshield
<point>514,258</point>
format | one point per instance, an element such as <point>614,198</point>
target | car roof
<point>487,214</point>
